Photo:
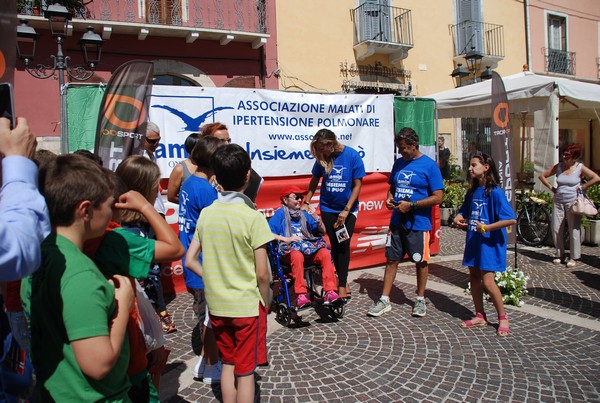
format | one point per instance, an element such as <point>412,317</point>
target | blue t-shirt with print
<point>277,224</point>
<point>414,180</point>
<point>486,251</point>
<point>195,194</point>
<point>336,187</point>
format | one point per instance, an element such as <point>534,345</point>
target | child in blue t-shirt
<point>485,214</point>
<point>196,193</point>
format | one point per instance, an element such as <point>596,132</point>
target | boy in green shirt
<point>78,317</point>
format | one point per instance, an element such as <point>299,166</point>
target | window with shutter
<point>470,20</point>
<point>376,21</point>
<point>163,12</point>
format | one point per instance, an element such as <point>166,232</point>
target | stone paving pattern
<point>398,358</point>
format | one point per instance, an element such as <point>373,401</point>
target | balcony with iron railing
<point>559,61</point>
<point>481,37</point>
<point>382,29</point>
<point>224,20</point>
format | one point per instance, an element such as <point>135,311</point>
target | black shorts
<point>401,242</point>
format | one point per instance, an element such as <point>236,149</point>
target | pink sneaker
<point>330,297</point>
<point>302,302</point>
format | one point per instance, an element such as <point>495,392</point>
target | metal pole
<point>60,66</point>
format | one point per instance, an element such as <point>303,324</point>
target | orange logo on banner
<point>111,105</point>
<point>2,64</point>
<point>501,115</point>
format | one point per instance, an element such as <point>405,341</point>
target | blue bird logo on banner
<point>191,124</point>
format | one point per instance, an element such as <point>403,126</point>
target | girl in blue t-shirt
<point>485,214</point>
<point>342,170</point>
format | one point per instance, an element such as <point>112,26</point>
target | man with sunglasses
<point>149,146</point>
<point>151,141</point>
<point>416,186</point>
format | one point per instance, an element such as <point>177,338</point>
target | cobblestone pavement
<point>552,354</point>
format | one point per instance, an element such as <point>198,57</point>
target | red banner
<point>368,242</point>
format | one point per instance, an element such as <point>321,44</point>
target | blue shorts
<point>402,244</point>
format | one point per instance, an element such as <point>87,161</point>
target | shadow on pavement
<point>459,278</point>
<point>532,254</point>
<point>445,304</point>
<point>372,287</point>
<point>593,261</point>
<point>570,301</point>
<point>588,279</point>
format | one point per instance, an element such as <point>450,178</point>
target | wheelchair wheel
<point>533,224</point>
<point>337,311</point>
<point>283,315</point>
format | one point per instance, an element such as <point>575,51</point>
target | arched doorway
<point>172,72</point>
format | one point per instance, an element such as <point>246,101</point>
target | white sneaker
<point>199,368</point>
<point>212,373</point>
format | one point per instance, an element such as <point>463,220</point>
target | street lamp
<point>91,43</point>
<point>473,59</point>
<point>458,74</point>
<point>486,74</point>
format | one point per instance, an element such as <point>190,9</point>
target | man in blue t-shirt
<point>416,186</point>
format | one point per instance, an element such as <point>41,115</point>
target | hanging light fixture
<point>26,40</point>
<point>58,17</point>
<point>486,74</point>
<point>458,74</point>
<point>91,47</point>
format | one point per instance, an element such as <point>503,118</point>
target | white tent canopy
<point>546,98</point>
<point>526,92</point>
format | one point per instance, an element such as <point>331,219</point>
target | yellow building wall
<point>315,36</point>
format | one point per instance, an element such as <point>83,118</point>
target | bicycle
<point>533,221</point>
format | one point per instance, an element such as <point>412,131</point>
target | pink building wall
<point>583,24</point>
<point>39,100</point>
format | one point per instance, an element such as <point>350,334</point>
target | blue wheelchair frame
<point>282,301</point>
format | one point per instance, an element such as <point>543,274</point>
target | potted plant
<point>591,225</point>
<point>454,195</point>
<point>512,284</point>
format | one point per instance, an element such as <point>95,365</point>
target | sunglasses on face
<point>153,141</point>
<point>296,197</point>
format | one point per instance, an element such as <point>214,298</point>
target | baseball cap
<point>289,189</point>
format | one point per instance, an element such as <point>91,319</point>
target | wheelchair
<point>282,286</point>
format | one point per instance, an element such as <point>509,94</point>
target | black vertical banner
<point>8,40</point>
<point>124,112</point>
<point>501,144</point>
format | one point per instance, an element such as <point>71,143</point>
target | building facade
<point>191,42</point>
<point>409,47</point>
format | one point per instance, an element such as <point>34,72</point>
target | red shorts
<point>242,342</point>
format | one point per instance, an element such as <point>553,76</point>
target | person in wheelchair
<point>299,234</point>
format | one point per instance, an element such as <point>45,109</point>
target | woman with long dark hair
<point>342,170</point>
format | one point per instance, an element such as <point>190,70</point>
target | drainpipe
<point>527,37</point>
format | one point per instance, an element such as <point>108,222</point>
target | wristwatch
<point>306,202</point>
<point>413,205</point>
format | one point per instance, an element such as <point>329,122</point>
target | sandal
<point>467,324</point>
<point>502,331</point>
<point>571,263</point>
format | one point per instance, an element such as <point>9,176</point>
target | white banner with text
<point>275,127</point>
